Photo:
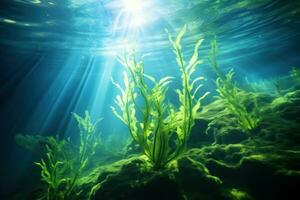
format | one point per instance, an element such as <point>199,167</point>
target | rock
<point>221,162</point>
<point>262,172</point>
<point>196,182</point>
<point>135,180</point>
<point>185,178</point>
<point>199,136</point>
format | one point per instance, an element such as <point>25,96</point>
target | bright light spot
<point>133,6</point>
<point>138,21</point>
<point>136,10</point>
<point>9,21</point>
<point>133,14</point>
<point>132,18</point>
<point>36,1</point>
<point>51,3</point>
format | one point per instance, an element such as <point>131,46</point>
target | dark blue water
<point>58,56</point>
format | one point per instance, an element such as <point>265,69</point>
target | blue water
<point>58,56</point>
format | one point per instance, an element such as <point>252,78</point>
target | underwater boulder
<point>135,179</point>
<point>198,135</point>
<point>288,106</point>
<point>195,180</point>
<point>280,120</point>
<point>263,179</point>
<point>254,172</point>
<point>230,135</point>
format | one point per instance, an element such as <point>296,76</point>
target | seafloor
<point>222,161</point>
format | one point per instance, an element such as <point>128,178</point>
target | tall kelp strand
<point>160,119</point>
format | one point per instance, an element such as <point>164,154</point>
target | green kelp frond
<point>61,170</point>
<point>152,122</point>
<point>89,140</point>
<point>53,169</point>
<point>213,59</point>
<point>189,102</point>
<point>151,131</point>
<point>229,95</point>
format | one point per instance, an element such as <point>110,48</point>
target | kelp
<point>53,169</point>
<point>61,171</point>
<point>229,94</point>
<point>89,140</point>
<point>153,122</point>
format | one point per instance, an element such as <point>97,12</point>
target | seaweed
<point>61,171</point>
<point>88,138</point>
<point>53,169</point>
<point>229,95</point>
<point>155,122</point>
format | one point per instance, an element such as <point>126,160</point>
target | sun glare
<point>136,13</point>
<point>131,19</point>
<point>133,6</point>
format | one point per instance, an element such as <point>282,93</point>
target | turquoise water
<point>59,56</point>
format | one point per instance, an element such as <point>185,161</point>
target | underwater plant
<point>53,169</point>
<point>88,138</point>
<point>61,171</point>
<point>229,94</point>
<point>153,122</point>
<point>295,74</point>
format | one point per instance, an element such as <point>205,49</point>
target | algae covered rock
<point>222,162</point>
<point>231,172</point>
<point>260,172</point>
<point>288,106</point>
<point>195,180</point>
<point>278,121</point>
<point>134,179</point>
<point>186,178</point>
<point>219,123</point>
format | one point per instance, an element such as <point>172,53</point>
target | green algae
<point>255,168</point>
<point>237,194</point>
<point>61,171</point>
<point>231,165</point>
<point>160,119</point>
<point>229,94</point>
